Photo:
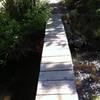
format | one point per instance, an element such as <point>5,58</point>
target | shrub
<point>35,19</point>
<point>9,30</point>
<point>18,18</point>
<point>87,20</point>
<point>17,8</point>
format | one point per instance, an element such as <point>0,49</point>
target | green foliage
<point>68,2</point>
<point>87,20</point>
<point>17,18</point>
<point>9,29</point>
<point>85,23</point>
<point>96,98</point>
<point>36,18</point>
<point>3,48</point>
<point>17,8</point>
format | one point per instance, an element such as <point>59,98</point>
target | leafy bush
<point>17,8</point>
<point>35,19</point>
<point>87,20</point>
<point>17,18</point>
<point>85,23</point>
<point>9,30</point>
<point>96,98</point>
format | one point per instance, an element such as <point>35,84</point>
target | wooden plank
<point>55,38</point>
<point>55,34</point>
<point>56,75</point>
<point>56,66</point>
<point>50,52</point>
<point>56,78</point>
<point>56,87</point>
<point>56,59</point>
<point>56,43</point>
<point>57,97</point>
<point>55,47</point>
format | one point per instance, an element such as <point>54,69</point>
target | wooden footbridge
<point>56,79</point>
